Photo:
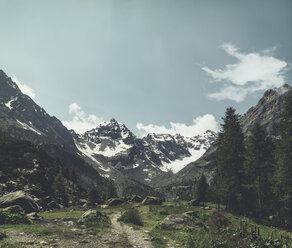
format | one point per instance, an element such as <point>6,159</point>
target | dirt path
<point>136,238</point>
<point>118,236</point>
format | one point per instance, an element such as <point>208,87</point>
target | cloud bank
<point>25,89</point>
<point>199,126</point>
<point>81,121</point>
<point>253,72</point>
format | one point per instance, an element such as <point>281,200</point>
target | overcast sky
<point>155,65</point>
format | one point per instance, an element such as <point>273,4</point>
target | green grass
<point>62,214</point>
<point>211,237</point>
<point>10,245</point>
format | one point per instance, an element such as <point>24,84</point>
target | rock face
<point>14,209</point>
<point>152,200</point>
<point>136,198</point>
<point>267,113</point>
<point>23,118</point>
<point>179,221</point>
<point>115,202</point>
<point>89,216</point>
<point>19,198</point>
<point>194,202</point>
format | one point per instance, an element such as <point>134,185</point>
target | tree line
<point>253,175</point>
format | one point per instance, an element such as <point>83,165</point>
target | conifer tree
<point>229,161</point>
<point>73,177</point>
<point>93,195</point>
<point>283,176</point>
<point>58,184</point>
<point>259,171</point>
<point>201,189</point>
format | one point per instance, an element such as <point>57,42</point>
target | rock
<point>115,201</point>
<point>152,200</point>
<point>194,202</point>
<point>136,198</point>
<point>89,215</point>
<point>19,198</point>
<point>15,209</point>
<point>192,214</point>
<point>179,221</point>
<point>33,216</point>
<point>53,205</point>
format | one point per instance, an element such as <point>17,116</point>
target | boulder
<point>136,198</point>
<point>53,205</point>
<point>15,209</point>
<point>89,216</point>
<point>179,221</point>
<point>115,202</point>
<point>33,216</point>
<point>194,202</point>
<point>152,200</point>
<point>19,198</point>
<point>192,214</point>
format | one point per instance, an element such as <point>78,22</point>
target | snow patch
<point>27,127</point>
<point>177,165</point>
<point>8,104</point>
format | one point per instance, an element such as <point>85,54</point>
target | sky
<point>163,66</point>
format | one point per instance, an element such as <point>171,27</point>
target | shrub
<point>8,218</point>
<point>131,215</point>
<point>218,220</point>
<point>2,236</point>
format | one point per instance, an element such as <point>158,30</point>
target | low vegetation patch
<point>132,216</point>
<point>101,221</point>
<point>9,218</point>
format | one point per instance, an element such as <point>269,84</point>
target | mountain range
<point>111,153</point>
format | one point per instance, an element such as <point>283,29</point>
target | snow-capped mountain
<point>143,159</point>
<point>24,119</point>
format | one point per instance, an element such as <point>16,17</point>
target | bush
<point>131,215</point>
<point>2,236</point>
<point>8,218</point>
<point>218,220</point>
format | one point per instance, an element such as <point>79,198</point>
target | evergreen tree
<point>229,161</point>
<point>93,195</point>
<point>283,177</point>
<point>58,184</point>
<point>110,191</point>
<point>201,189</point>
<point>259,171</point>
<point>73,177</point>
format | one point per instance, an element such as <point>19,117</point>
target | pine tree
<point>201,189</point>
<point>283,176</point>
<point>93,195</point>
<point>110,191</point>
<point>58,184</point>
<point>259,171</point>
<point>229,161</point>
<point>73,177</point>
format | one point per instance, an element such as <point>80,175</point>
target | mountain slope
<point>23,118</point>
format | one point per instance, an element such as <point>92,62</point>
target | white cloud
<point>199,126</point>
<point>81,121</point>
<point>25,89</point>
<point>252,72</point>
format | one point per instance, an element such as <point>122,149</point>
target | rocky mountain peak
<point>267,112</point>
